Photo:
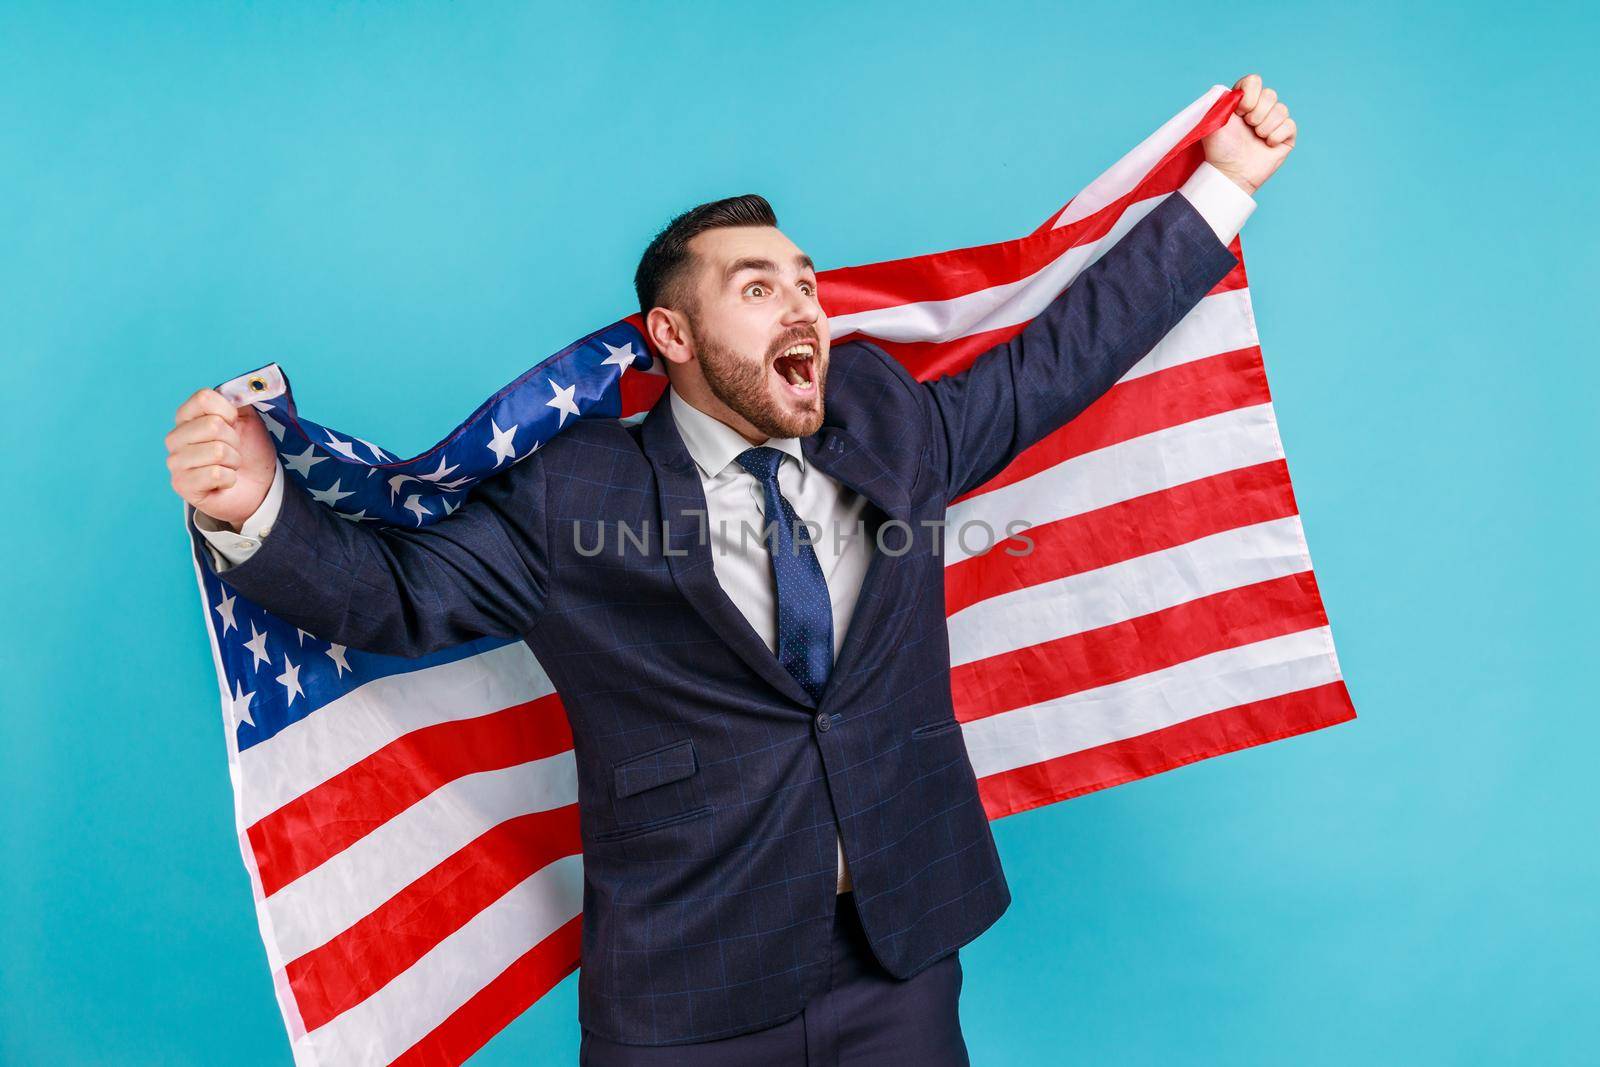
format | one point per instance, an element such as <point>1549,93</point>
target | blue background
<point>408,204</point>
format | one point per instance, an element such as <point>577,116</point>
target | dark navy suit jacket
<point>709,782</point>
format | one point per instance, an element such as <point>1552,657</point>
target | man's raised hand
<point>1255,140</point>
<point>221,458</point>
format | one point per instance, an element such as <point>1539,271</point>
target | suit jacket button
<point>823,722</point>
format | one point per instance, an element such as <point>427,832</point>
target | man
<point>740,703</point>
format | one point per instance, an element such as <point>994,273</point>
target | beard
<point>746,386</point>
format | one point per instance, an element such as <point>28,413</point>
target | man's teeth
<point>796,376</point>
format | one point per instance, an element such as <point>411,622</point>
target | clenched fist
<point>1255,140</point>
<point>221,458</point>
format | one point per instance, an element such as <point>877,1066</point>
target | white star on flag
<point>623,357</point>
<point>357,517</point>
<point>258,647</point>
<point>331,495</point>
<point>290,679</point>
<point>303,463</point>
<point>225,609</point>
<point>396,482</point>
<point>377,453</point>
<point>501,445</point>
<point>344,448</point>
<point>274,427</point>
<point>240,706</point>
<point>336,653</point>
<point>303,635</point>
<point>562,401</point>
<point>413,504</point>
<point>440,472</point>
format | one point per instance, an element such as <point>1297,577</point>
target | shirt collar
<point>713,444</point>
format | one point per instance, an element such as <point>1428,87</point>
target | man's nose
<point>800,309</point>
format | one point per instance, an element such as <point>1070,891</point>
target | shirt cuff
<point>238,547</point>
<point>1219,201</point>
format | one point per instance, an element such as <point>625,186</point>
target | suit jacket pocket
<point>656,787</point>
<point>933,729</point>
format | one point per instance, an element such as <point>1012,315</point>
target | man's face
<point>759,334</point>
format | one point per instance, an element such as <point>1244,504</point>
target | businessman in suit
<point>740,703</point>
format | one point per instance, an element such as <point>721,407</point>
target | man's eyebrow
<point>801,262</point>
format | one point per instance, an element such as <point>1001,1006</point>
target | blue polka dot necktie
<point>805,614</point>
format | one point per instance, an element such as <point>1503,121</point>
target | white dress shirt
<point>734,508</point>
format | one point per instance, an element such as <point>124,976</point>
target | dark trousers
<point>865,1018</point>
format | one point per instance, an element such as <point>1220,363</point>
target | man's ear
<point>669,333</point>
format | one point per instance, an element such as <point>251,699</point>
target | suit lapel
<point>842,457</point>
<point>688,549</point>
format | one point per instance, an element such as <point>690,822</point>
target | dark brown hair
<point>663,261</point>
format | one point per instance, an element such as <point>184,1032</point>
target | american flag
<point>410,826</point>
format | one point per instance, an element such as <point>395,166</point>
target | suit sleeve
<point>1087,338</point>
<point>483,571</point>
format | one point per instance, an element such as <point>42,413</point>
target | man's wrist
<point>1245,185</point>
<point>236,544</point>
<point>1221,201</point>
<point>260,521</point>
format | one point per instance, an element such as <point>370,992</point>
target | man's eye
<point>755,289</point>
<point>808,289</point>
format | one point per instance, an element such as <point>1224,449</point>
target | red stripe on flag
<point>367,956</point>
<point>1216,117</point>
<point>1143,405</point>
<point>947,275</point>
<point>491,1008</point>
<point>1127,649</point>
<point>927,360</point>
<point>961,272</point>
<point>640,390</point>
<point>322,822</point>
<point>1121,531</point>
<point>1236,278</point>
<point>1103,766</point>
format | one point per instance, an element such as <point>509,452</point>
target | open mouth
<point>795,370</point>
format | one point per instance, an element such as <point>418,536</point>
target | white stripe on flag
<point>1079,602</point>
<point>346,731</point>
<point>1116,180</point>
<point>400,1014</point>
<point>1151,701</point>
<point>989,309</point>
<point>1200,448</point>
<point>1219,323</point>
<point>327,899</point>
